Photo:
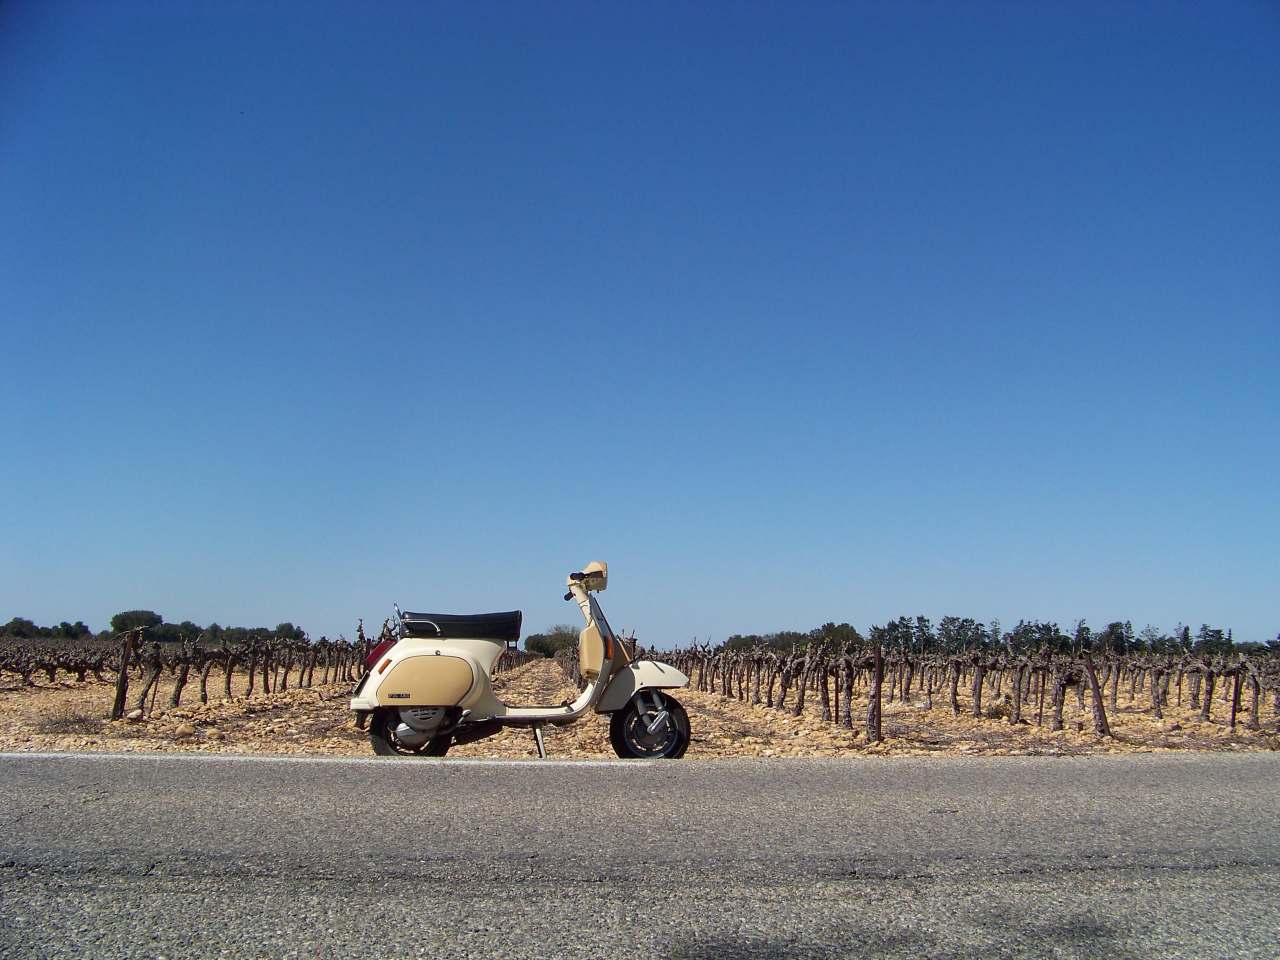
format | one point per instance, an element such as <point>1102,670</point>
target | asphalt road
<point>173,856</point>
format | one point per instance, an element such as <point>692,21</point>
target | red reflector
<point>378,651</point>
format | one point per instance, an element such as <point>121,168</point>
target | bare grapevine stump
<point>122,677</point>
<point>824,692</point>
<point>204,679</point>
<point>1207,700</point>
<point>1255,694</point>
<point>846,690</point>
<point>874,706</point>
<point>955,685</point>
<point>1015,713</point>
<point>1059,699</point>
<point>979,671</point>
<point>784,682</point>
<point>180,681</point>
<point>1100,725</point>
<point>154,665</point>
<point>1238,682</point>
<point>801,687</point>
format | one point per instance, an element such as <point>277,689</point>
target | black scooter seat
<point>464,626</point>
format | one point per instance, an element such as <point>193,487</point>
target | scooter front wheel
<point>652,726</point>
<point>382,737</point>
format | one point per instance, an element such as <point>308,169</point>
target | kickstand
<point>537,738</point>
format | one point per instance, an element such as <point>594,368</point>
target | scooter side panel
<point>637,676</point>
<point>426,680</point>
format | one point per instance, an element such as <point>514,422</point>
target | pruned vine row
<point>135,666</point>
<point>1030,688</point>
<point>1026,680</point>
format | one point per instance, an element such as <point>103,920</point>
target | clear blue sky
<point>791,312</point>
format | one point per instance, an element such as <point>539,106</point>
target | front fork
<point>661,713</point>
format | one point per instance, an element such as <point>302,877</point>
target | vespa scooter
<point>429,686</point>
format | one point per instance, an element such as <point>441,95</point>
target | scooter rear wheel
<point>382,738</point>
<point>629,729</point>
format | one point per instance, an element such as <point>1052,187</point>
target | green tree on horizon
<point>555,639</point>
<point>132,619</point>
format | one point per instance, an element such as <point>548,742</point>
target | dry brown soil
<point>316,721</point>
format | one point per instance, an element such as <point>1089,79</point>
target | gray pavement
<point>189,856</point>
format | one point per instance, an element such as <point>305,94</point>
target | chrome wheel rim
<point>389,734</point>
<point>635,730</point>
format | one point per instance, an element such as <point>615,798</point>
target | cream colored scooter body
<point>442,672</point>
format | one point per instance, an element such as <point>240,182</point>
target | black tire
<point>383,739</point>
<point>629,734</point>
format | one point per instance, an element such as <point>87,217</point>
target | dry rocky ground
<point>69,716</point>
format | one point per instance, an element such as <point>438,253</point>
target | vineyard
<point>265,665</point>
<point>903,690</point>
<point>1007,686</point>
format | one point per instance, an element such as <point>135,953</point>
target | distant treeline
<point>910,634</point>
<point>19,628</point>
<point>955,634</point>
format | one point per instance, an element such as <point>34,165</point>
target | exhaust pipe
<point>476,731</point>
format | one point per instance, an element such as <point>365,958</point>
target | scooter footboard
<point>641,675</point>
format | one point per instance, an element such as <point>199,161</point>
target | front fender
<point>641,675</point>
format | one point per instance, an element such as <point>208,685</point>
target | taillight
<point>378,651</point>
